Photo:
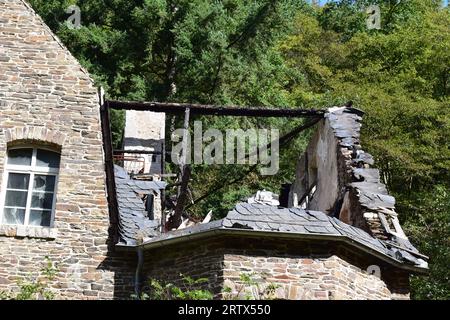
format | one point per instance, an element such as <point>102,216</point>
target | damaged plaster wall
<point>344,185</point>
<point>317,167</point>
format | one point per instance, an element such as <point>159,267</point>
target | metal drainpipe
<point>137,276</point>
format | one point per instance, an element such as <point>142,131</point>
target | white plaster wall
<point>144,130</point>
<point>323,162</point>
<point>325,159</point>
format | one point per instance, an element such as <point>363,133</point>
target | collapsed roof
<point>267,220</point>
<point>134,221</point>
<point>357,210</point>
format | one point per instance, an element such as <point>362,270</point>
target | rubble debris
<point>266,197</point>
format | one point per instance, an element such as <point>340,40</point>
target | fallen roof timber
<point>199,109</point>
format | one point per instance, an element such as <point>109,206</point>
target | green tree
<point>399,76</point>
<point>220,52</point>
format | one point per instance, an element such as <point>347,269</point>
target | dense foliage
<point>288,53</point>
<point>399,75</point>
<point>189,290</point>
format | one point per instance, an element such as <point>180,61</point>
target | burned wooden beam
<point>199,109</point>
<point>283,141</point>
<point>185,175</point>
<point>163,192</point>
<point>187,115</point>
<point>175,220</point>
<point>109,168</point>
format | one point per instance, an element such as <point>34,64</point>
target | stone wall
<point>47,99</point>
<point>305,278</point>
<point>167,264</point>
<point>299,269</point>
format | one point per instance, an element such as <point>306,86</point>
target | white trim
<point>32,170</point>
<point>25,169</point>
<point>30,191</point>
<point>55,190</point>
<point>3,191</point>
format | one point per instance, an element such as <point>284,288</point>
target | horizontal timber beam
<point>199,109</point>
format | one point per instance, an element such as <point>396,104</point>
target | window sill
<point>28,232</point>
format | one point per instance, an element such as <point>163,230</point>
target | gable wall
<point>318,165</point>
<point>45,97</point>
<point>336,164</point>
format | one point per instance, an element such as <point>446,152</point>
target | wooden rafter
<point>109,168</point>
<point>199,109</point>
<point>189,110</point>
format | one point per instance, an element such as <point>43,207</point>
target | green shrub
<point>159,290</point>
<point>250,289</point>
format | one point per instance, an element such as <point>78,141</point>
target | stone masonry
<point>300,270</point>
<point>46,98</point>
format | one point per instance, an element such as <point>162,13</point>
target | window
<point>31,176</point>
<point>150,206</point>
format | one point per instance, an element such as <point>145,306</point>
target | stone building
<point>338,237</point>
<point>53,199</point>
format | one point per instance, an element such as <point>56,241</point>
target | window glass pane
<point>20,157</point>
<point>16,198</point>
<point>40,218</point>
<point>13,216</point>
<point>44,183</point>
<point>18,181</point>
<point>47,159</point>
<point>42,200</point>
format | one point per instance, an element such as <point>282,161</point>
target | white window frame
<point>32,170</point>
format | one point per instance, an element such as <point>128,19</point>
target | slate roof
<point>371,193</point>
<point>134,222</point>
<point>257,217</point>
<point>346,125</point>
<point>296,221</point>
